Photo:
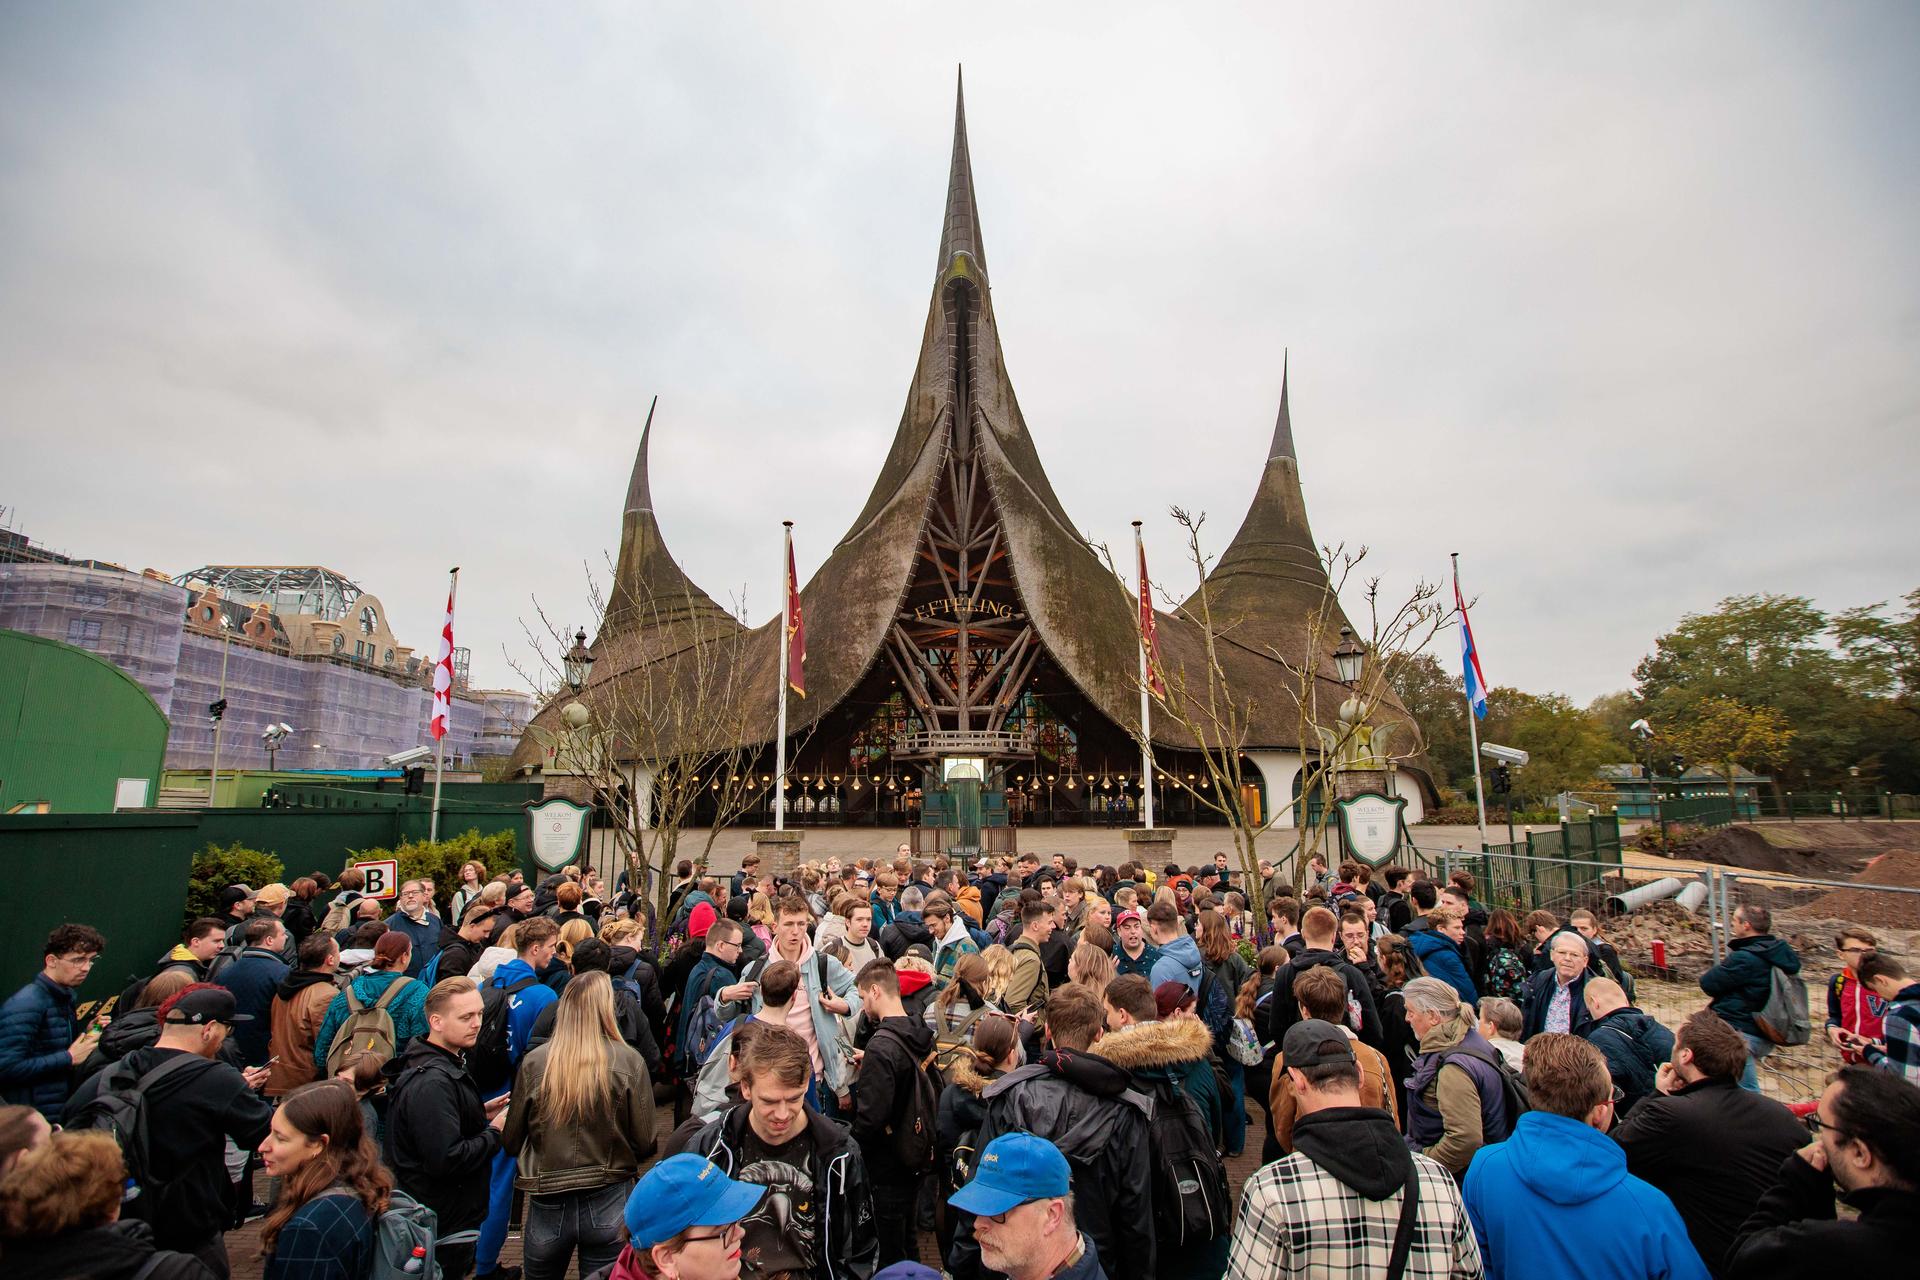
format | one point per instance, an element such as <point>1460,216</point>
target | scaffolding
<point>298,588</point>
<point>134,622</point>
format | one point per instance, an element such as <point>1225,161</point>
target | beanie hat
<point>701,919</point>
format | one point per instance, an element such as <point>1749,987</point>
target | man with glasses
<point>1555,1199</point>
<point>1710,1145</point>
<point>1852,1006</point>
<point>196,1103</point>
<point>1866,1141</point>
<point>40,1044</point>
<point>1021,1199</point>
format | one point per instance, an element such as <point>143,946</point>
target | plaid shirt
<point>1296,1219</point>
<point>1901,1031</point>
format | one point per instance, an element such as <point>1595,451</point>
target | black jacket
<point>1793,1232</point>
<point>627,1015</point>
<point>456,955</point>
<point>884,1088</point>
<point>850,1247</point>
<point>1395,910</point>
<point>907,928</point>
<point>437,1140</point>
<point>1087,1107</point>
<point>116,1251</point>
<point>190,1116</point>
<point>1714,1148</point>
<point>253,979</point>
<point>1634,1046</point>
<point>1741,983</point>
<point>643,970</point>
<point>1283,1010</point>
<point>1537,997</point>
<point>962,1112</point>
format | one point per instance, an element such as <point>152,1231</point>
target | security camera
<point>401,759</point>
<point>1505,755</point>
<point>1642,728</point>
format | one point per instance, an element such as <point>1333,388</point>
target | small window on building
<point>389,658</point>
<point>359,648</point>
<point>83,630</point>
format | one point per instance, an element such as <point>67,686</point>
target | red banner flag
<point>443,677</point>
<point>1149,642</point>
<point>796,631</point>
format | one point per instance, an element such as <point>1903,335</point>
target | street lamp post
<point>578,661</point>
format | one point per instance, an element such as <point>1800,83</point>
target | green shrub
<point>442,861</point>
<point>214,868</point>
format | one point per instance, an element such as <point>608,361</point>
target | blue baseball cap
<point>1015,1168</point>
<point>684,1191</point>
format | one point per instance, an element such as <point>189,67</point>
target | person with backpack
<point>1027,990</point>
<point>173,1108</point>
<point>253,979</point>
<point>461,949</point>
<point>629,1018</point>
<point>40,1042</point>
<point>379,1011</point>
<point>826,1007</point>
<point>1458,1097</point>
<point>991,1050</point>
<point>1742,983</point>
<point>1323,996</point>
<point>1229,971</point>
<point>1351,1200</point>
<point>1168,1054</point>
<point>895,1108</point>
<point>1088,1108</point>
<point>1320,931</point>
<point>441,1138</point>
<point>817,1221</point>
<point>298,1011</point>
<point>61,1218</point>
<point>580,1125</point>
<point>1635,1046</point>
<point>513,999</point>
<point>333,1187</point>
<point>1555,1198</point>
<point>952,938</point>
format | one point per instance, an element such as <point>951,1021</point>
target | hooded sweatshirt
<point>1556,1199</point>
<point>1180,961</point>
<point>884,1089</point>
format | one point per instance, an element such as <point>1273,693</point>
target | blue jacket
<point>883,912</point>
<point>253,979</point>
<point>36,1030</point>
<point>424,936</point>
<point>1741,983</point>
<point>523,1010</point>
<point>1556,1199</point>
<point>1443,959</point>
<point>709,974</point>
<point>330,1237</point>
<point>1179,961</point>
<point>408,1011</point>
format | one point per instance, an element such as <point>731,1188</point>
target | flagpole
<point>1473,729</point>
<point>440,743</point>
<point>1146,725</point>
<point>780,735</point>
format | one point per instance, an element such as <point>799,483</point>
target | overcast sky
<point>1620,302</point>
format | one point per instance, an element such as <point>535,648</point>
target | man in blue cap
<point>683,1221</point>
<point>1021,1199</point>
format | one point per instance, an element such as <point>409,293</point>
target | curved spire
<point>639,492</point>
<point>1282,429</point>
<point>960,230</point>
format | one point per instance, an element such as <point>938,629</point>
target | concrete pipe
<point>1634,899</point>
<point>1693,897</point>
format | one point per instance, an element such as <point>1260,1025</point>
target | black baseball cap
<point>1313,1043</point>
<point>212,1004</point>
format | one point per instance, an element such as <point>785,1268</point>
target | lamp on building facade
<point>1348,658</point>
<point>578,661</point>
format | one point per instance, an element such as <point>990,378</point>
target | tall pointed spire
<point>960,231</point>
<point>639,492</point>
<point>1283,429</point>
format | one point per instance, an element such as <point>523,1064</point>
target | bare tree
<point>1337,727</point>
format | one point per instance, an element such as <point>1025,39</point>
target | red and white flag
<point>443,677</point>
<point>1149,642</point>
<point>796,630</point>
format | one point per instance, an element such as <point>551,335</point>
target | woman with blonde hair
<point>333,1187</point>
<point>760,917</point>
<point>572,934</point>
<point>581,1123</point>
<point>1091,968</point>
<point>999,963</point>
<point>473,883</point>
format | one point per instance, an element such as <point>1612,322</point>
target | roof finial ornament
<point>1283,428</point>
<point>960,230</point>
<point>639,493</point>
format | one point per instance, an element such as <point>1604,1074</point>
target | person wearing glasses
<point>40,1043</point>
<point>1021,1199</point>
<point>1556,1197</point>
<point>683,1223</point>
<point>1710,1145</point>
<point>1866,1141</point>
<point>1853,1009</point>
<point>195,1102</point>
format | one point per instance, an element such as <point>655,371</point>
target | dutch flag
<point>1470,656</point>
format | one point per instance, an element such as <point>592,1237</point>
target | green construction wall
<point>126,873</point>
<point>71,725</point>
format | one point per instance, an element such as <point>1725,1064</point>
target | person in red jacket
<point>1851,1004</point>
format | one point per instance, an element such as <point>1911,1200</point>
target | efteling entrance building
<point>971,661</point>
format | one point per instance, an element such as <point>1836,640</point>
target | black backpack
<point>1513,1090</point>
<point>913,1136</point>
<point>1189,1182</point>
<point>120,1109</point>
<point>491,1058</point>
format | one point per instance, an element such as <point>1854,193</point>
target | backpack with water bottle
<point>404,1240</point>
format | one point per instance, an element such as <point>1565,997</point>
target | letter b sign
<point>383,878</point>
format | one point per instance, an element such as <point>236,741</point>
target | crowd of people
<point>1029,1069</point>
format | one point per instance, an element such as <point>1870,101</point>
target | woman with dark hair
<point>333,1187</point>
<point>993,1050</point>
<point>298,916</point>
<point>1398,966</point>
<point>406,1005</point>
<point>1230,972</point>
<point>473,881</point>
<point>60,1218</point>
<point>1503,972</point>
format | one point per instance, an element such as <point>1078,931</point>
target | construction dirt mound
<point>1865,906</point>
<point>1818,850</point>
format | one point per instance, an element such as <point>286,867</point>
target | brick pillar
<point>779,851</point>
<point>1152,847</point>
